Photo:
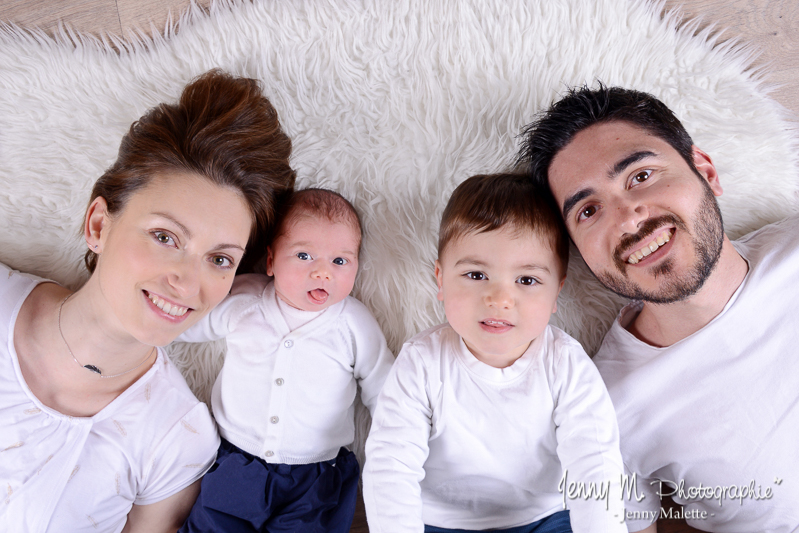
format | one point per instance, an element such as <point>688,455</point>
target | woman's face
<point>169,256</point>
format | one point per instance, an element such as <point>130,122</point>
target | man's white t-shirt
<point>718,411</point>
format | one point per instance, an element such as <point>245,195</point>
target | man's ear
<point>439,281</point>
<point>97,221</point>
<point>704,165</point>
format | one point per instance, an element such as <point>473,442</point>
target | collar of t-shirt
<point>294,317</point>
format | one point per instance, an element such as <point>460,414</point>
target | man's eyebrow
<point>631,159</point>
<point>614,171</point>
<point>572,200</point>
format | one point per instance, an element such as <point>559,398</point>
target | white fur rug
<point>390,103</point>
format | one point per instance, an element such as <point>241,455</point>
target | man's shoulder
<point>780,235</point>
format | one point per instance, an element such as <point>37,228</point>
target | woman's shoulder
<point>15,286</point>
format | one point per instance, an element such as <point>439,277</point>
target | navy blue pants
<point>554,523</point>
<point>242,493</point>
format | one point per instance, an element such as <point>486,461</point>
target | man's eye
<point>222,261</point>
<point>304,256</point>
<point>527,280</point>
<point>340,261</point>
<point>164,238</point>
<point>640,177</point>
<point>477,276</point>
<point>587,212</point>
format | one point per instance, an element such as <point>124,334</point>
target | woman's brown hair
<point>223,129</point>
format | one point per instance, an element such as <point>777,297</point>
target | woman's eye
<point>222,261</point>
<point>164,238</point>
<point>477,276</point>
<point>587,212</point>
<point>340,261</point>
<point>304,256</point>
<point>640,177</point>
<point>527,280</point>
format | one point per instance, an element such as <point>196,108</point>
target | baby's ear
<point>269,261</point>
<point>439,281</point>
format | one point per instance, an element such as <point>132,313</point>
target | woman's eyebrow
<point>172,219</point>
<point>188,233</point>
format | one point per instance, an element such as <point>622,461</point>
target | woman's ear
<point>97,220</point>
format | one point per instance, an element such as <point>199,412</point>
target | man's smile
<point>651,246</point>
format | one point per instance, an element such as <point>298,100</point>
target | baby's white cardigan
<point>288,396</point>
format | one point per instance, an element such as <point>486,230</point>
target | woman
<point>100,431</point>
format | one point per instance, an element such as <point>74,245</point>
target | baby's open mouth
<point>318,296</point>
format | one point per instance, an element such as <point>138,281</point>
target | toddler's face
<point>314,263</point>
<point>499,289</point>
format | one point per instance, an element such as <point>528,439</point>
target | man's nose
<point>630,214</point>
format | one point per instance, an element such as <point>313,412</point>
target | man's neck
<point>666,324</point>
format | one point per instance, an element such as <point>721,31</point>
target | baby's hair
<point>318,203</point>
<point>487,202</point>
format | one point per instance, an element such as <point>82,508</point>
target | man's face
<point>647,226</point>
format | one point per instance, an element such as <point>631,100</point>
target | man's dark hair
<point>553,129</point>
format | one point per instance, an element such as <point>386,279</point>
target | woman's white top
<point>61,473</point>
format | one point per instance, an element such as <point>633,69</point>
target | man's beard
<point>708,239</point>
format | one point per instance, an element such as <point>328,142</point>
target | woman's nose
<point>184,277</point>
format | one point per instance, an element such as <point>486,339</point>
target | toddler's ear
<point>439,281</point>
<point>269,261</point>
<point>560,288</point>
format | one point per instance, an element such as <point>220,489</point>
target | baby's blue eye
<point>477,276</point>
<point>340,261</point>
<point>526,280</point>
<point>304,256</point>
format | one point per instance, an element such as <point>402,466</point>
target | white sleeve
<point>373,359</point>
<point>185,453</point>
<point>397,449</point>
<point>588,440</point>
<point>641,500</point>
<point>222,319</point>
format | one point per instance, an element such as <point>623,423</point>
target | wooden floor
<point>768,24</point>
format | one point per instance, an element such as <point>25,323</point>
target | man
<point>701,365</point>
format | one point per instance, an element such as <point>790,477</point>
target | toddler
<point>485,420</point>
<point>297,347</point>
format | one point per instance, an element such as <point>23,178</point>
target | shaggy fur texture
<point>390,103</point>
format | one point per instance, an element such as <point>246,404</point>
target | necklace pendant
<point>93,369</point>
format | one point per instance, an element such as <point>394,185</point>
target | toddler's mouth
<point>318,296</point>
<point>492,325</point>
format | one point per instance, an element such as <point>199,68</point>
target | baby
<point>297,347</point>
<point>485,420</point>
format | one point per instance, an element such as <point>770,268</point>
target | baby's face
<point>314,263</point>
<point>499,289</point>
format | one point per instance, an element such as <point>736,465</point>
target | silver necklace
<point>92,367</point>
